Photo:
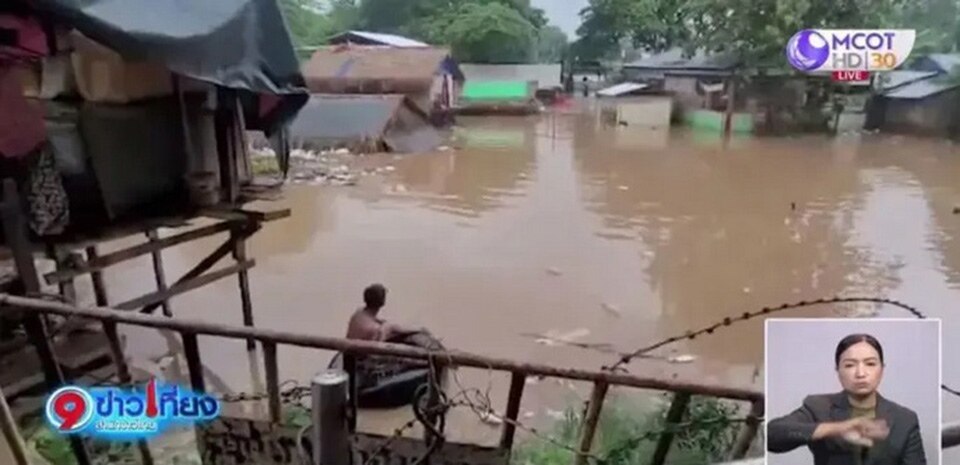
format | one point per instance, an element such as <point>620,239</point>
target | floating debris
<point>389,168</point>
<point>400,188</point>
<point>555,271</point>
<point>747,290</point>
<point>611,309</point>
<point>491,418</point>
<point>444,148</point>
<point>686,358</point>
<point>528,414</point>
<point>623,188</point>
<point>555,414</point>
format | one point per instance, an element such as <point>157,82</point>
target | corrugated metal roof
<point>674,60</point>
<point>921,89</point>
<point>344,62</point>
<point>621,89</point>
<point>391,40</point>
<point>344,118</point>
<point>948,62</point>
<point>894,79</point>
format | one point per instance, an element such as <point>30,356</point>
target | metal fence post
<point>331,430</point>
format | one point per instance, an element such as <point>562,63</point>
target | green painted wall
<point>495,90</point>
<point>713,121</point>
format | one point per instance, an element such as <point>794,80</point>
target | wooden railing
<point>189,330</point>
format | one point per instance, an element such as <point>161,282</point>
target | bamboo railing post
<point>594,407</point>
<point>517,381</point>
<point>678,408</point>
<point>240,255</point>
<point>158,272</point>
<point>123,375</point>
<point>273,379</point>
<point>353,404</point>
<point>748,432</point>
<point>9,426</point>
<point>191,351</point>
<point>99,287</point>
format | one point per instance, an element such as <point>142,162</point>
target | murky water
<point>558,224</point>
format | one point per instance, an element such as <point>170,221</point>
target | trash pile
<point>328,167</point>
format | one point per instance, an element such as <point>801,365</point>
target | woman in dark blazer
<point>857,426</point>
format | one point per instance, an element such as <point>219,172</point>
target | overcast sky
<point>563,13</point>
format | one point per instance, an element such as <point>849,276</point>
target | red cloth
<point>21,122</point>
<point>31,38</point>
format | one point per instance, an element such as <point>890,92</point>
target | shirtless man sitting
<point>364,324</point>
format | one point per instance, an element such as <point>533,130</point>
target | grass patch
<point>265,166</point>
<point>622,422</point>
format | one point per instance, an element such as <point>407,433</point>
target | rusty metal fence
<point>601,381</point>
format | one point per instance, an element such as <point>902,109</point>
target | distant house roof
<point>921,89</point>
<point>363,120</point>
<point>939,62</point>
<point>374,38</point>
<point>621,89</point>
<point>893,79</point>
<point>377,70</point>
<point>674,61</point>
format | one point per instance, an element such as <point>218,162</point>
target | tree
<point>307,24</point>
<point>484,32</point>
<point>551,45</point>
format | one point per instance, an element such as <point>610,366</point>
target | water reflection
<point>557,224</point>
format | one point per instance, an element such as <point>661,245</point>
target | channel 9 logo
<point>114,411</point>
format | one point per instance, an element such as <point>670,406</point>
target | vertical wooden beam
<point>16,233</point>
<point>158,271</point>
<point>99,287</point>
<point>240,255</point>
<point>748,432</point>
<point>273,379</point>
<point>517,382</point>
<point>590,421</point>
<point>123,375</point>
<point>192,352</point>
<point>62,258</point>
<point>678,408</point>
<point>353,406</point>
<point>12,435</point>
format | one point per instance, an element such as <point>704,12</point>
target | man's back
<point>364,326</point>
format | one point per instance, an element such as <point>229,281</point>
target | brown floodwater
<point>558,224</point>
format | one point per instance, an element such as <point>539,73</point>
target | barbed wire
<point>643,352</point>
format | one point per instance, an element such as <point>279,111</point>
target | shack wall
<point>934,115</point>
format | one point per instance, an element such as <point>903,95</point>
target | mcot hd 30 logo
<point>128,413</point>
<point>859,51</point>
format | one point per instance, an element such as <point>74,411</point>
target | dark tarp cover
<point>238,44</point>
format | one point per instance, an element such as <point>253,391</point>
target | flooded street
<point>558,225</point>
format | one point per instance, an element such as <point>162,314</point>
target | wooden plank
<point>192,353</point>
<point>136,251</point>
<point>273,379</point>
<point>199,269</point>
<point>354,346</point>
<point>678,408</point>
<point>11,434</point>
<point>517,382</point>
<point>158,273</point>
<point>246,306</point>
<point>157,298</point>
<point>594,407</point>
<point>239,214</point>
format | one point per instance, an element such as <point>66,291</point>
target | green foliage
<point>622,422</point>
<point>551,45</point>
<point>484,32</point>
<point>308,25</point>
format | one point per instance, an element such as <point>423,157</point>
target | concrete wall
<point>653,112</point>
<point>546,75</point>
